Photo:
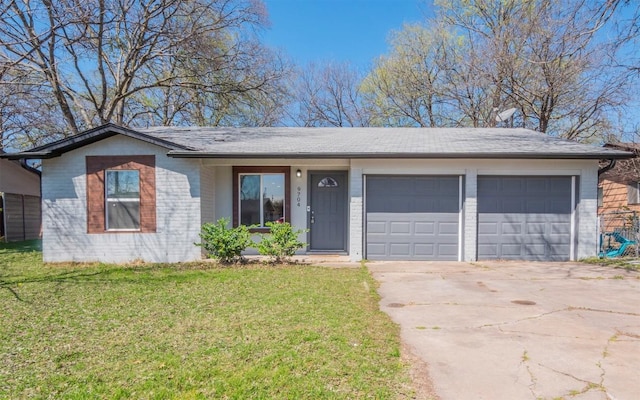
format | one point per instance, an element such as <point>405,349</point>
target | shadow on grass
<point>26,246</point>
<point>97,274</point>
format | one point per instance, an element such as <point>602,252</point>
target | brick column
<point>471,216</point>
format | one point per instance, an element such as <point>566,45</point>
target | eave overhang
<point>514,156</point>
<point>56,149</point>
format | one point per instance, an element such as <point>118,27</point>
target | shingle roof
<point>374,142</point>
<point>340,143</point>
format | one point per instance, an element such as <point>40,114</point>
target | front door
<point>328,217</point>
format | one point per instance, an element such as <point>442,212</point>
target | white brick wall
<point>64,213</point>
<point>190,192</point>
<point>586,214</point>
<point>356,214</point>
<point>207,194</point>
<point>470,212</point>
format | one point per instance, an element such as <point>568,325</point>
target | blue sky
<point>338,30</point>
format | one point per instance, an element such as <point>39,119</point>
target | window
<point>261,195</point>
<point>600,196</point>
<point>121,194</point>
<point>632,193</point>
<point>123,200</point>
<point>328,182</point>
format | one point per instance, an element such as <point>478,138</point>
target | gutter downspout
<point>23,164</point>
<point>608,167</point>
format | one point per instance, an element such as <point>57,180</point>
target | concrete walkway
<point>518,330</point>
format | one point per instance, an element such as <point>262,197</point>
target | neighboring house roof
<point>293,142</point>
<point>633,147</point>
<point>624,171</point>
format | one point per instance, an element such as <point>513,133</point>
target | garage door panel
<point>510,250</point>
<point>375,227</point>
<point>423,250</point>
<point>399,227</point>
<point>533,224</point>
<point>449,228</point>
<point>487,228</point>
<point>400,249</point>
<point>420,215</point>
<point>561,229</point>
<point>449,250</point>
<point>376,249</point>
<point>424,228</point>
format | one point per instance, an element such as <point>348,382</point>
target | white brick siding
<point>470,212</point>
<point>190,192</point>
<point>356,213</point>
<point>64,208</point>
<point>207,194</point>
<point>586,214</point>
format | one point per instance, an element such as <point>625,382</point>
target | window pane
<point>123,214</point>
<point>250,199</point>
<point>123,184</point>
<point>328,182</point>
<point>273,197</point>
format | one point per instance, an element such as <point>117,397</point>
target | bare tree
<point>329,95</point>
<point>543,57</point>
<point>406,87</point>
<point>100,60</point>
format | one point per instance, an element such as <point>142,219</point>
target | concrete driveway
<point>518,330</point>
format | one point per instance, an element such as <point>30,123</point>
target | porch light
<point>298,173</point>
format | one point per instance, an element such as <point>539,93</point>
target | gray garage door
<point>412,217</point>
<point>524,218</point>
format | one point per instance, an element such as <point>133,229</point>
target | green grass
<point>627,263</point>
<point>192,331</point>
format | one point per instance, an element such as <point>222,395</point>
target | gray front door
<point>412,217</point>
<point>524,217</point>
<point>328,217</point>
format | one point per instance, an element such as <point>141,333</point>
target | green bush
<point>225,244</point>
<point>281,243</point>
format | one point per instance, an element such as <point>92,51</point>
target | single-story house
<point>619,182</point>
<point>20,217</point>
<point>117,194</point>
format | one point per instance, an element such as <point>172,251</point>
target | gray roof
<point>340,143</point>
<point>373,142</point>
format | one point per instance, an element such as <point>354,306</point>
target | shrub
<point>225,244</point>
<point>281,243</point>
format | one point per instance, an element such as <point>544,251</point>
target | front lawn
<point>192,331</point>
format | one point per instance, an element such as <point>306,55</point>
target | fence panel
<point>619,233</point>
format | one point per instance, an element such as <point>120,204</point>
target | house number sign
<point>298,194</point>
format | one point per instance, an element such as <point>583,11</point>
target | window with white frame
<point>261,198</point>
<point>122,196</point>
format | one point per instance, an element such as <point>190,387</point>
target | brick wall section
<point>96,167</point>
<point>356,213</point>
<point>207,194</point>
<point>470,214</point>
<point>586,213</point>
<point>64,204</point>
